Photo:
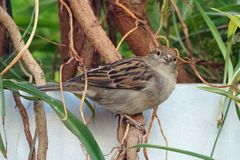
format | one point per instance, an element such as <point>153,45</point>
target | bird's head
<point>163,60</point>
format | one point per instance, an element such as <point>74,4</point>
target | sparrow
<point>128,86</point>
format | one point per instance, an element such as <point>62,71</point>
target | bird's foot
<point>133,122</point>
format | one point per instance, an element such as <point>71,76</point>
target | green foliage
<point>72,122</point>
<point>231,75</point>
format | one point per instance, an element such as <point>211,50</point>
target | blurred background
<point>45,45</point>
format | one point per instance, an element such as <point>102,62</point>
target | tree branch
<point>93,30</point>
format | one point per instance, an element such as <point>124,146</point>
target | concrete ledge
<point>188,118</point>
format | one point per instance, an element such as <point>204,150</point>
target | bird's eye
<point>157,54</point>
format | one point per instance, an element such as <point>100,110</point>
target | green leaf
<point>72,122</point>
<point>232,27</point>
<point>3,99</point>
<point>2,147</point>
<point>234,18</point>
<point>193,154</point>
<point>237,106</point>
<point>218,39</point>
<point>30,98</point>
<point>221,92</point>
<point>236,76</point>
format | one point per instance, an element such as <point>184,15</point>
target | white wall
<point>188,118</point>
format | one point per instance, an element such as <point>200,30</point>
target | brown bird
<point>128,86</point>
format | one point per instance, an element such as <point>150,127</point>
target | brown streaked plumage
<point>129,85</point>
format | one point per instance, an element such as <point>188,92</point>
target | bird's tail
<point>67,86</point>
<point>49,87</point>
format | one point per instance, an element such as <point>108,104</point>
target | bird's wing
<point>130,73</point>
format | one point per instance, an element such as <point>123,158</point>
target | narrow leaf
<point>221,92</point>
<point>3,99</point>
<point>2,147</point>
<point>237,106</point>
<point>232,27</point>
<point>189,153</point>
<point>236,75</point>
<point>234,18</point>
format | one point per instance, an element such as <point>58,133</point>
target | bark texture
<point>92,28</point>
<point>81,44</point>
<point>141,40</point>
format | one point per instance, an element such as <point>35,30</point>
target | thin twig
<point>84,95</point>
<point>122,143</point>
<point>77,57</point>
<point>164,38</point>
<point>132,121</point>
<point>25,120</point>
<point>32,148</point>
<point>137,21</point>
<point>71,44</point>
<point>164,137</point>
<point>192,62</point>
<point>203,80</point>
<point>154,39</point>
<point>161,17</point>
<point>125,133</point>
<point>168,20</point>
<point>184,27</point>
<point>125,36</point>
<point>105,155</point>
<point>61,91</point>
<point>25,71</point>
<point>44,38</point>
<point>127,10</point>
<point>145,140</point>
